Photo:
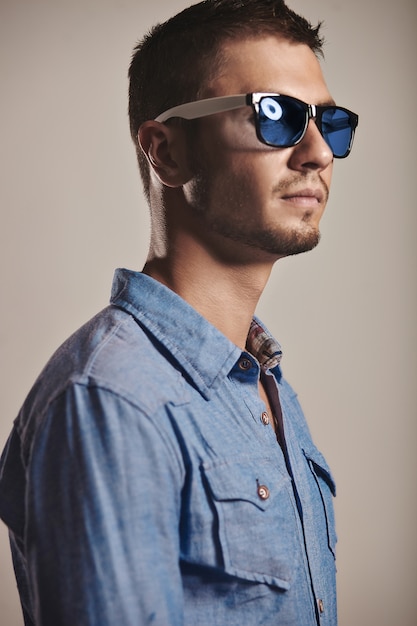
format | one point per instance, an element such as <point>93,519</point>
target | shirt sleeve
<point>103,506</point>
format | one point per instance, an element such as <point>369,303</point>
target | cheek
<point>241,187</point>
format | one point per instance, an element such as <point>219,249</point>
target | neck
<point>225,293</point>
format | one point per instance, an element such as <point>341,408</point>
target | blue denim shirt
<point>142,484</point>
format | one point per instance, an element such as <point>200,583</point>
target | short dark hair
<point>173,62</point>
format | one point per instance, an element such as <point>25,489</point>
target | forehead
<point>269,64</point>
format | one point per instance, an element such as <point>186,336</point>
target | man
<point>161,470</point>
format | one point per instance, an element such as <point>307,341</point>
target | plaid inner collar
<point>263,346</point>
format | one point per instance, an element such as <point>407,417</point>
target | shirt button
<point>263,492</point>
<point>320,604</point>
<point>245,364</point>
<point>265,418</point>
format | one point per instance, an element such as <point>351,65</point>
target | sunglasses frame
<point>221,104</point>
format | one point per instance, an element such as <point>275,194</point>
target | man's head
<point>176,61</point>
<point>237,131</point>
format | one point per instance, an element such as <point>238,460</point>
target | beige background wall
<point>72,210</point>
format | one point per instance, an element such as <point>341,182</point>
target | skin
<point>225,208</point>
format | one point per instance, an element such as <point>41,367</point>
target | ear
<point>165,149</point>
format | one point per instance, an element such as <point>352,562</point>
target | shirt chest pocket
<point>246,524</point>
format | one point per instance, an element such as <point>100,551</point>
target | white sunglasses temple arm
<point>201,108</point>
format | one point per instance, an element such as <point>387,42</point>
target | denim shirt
<point>142,483</point>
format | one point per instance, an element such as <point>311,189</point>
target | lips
<point>305,195</point>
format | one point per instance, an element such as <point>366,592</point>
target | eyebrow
<point>326,103</point>
<point>330,102</point>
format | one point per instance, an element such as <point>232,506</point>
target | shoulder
<point>112,350</point>
<point>110,356</point>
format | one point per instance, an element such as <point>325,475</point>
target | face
<point>254,198</point>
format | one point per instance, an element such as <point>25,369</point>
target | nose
<point>312,153</point>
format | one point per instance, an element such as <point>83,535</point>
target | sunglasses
<point>281,121</point>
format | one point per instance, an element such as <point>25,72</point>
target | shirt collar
<point>263,346</point>
<point>203,351</point>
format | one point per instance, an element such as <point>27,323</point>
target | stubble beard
<point>278,241</point>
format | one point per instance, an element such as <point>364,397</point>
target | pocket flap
<point>321,467</point>
<point>239,481</point>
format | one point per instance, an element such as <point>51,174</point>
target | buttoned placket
<point>250,371</point>
<point>272,389</point>
<point>251,367</point>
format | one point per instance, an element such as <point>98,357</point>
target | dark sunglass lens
<point>281,120</point>
<point>336,128</point>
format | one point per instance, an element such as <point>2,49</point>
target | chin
<point>288,242</point>
<point>301,239</point>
